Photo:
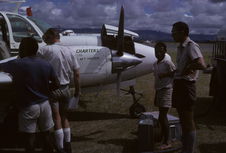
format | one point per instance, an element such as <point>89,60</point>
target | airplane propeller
<point>120,37</point>
<point>120,47</point>
<point>122,61</point>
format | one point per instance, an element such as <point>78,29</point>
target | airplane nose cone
<point>124,62</point>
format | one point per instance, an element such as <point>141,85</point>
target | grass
<point>102,124</point>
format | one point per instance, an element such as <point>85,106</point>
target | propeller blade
<point>120,43</point>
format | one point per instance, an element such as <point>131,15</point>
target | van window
<point>43,26</point>
<point>21,28</point>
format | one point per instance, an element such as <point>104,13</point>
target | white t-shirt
<point>185,55</point>
<point>63,60</point>
<point>164,66</point>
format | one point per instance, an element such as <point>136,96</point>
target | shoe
<point>67,147</point>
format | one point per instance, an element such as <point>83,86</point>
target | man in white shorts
<point>66,66</point>
<point>33,78</point>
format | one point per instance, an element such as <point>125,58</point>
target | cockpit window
<point>41,24</point>
<point>21,28</point>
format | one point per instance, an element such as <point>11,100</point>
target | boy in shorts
<point>163,72</point>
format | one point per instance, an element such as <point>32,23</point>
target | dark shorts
<point>62,102</point>
<point>184,94</point>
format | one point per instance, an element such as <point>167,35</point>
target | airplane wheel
<point>136,109</point>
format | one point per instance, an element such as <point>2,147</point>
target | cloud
<point>203,16</point>
<point>208,17</point>
<point>79,13</point>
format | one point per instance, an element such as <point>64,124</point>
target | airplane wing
<point>5,94</point>
<point>5,80</point>
<point>8,59</point>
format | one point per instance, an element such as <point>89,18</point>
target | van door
<point>20,28</point>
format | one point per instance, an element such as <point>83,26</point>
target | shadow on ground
<point>12,141</point>
<point>9,135</point>
<point>213,148</point>
<point>209,112</point>
<point>92,116</point>
<point>84,137</point>
<point>129,145</point>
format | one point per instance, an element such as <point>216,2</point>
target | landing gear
<point>136,108</point>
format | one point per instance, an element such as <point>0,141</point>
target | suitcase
<point>149,132</point>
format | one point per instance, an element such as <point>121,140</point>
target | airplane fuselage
<point>96,60</point>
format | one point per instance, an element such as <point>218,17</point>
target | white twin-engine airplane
<point>112,57</point>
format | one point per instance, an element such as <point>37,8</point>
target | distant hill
<point>154,35</point>
<point>161,36</point>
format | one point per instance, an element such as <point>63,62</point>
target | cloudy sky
<point>203,16</point>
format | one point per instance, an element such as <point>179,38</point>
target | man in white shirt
<point>189,61</point>
<point>66,66</point>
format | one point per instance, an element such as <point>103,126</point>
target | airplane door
<point>95,64</point>
<point>19,28</point>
